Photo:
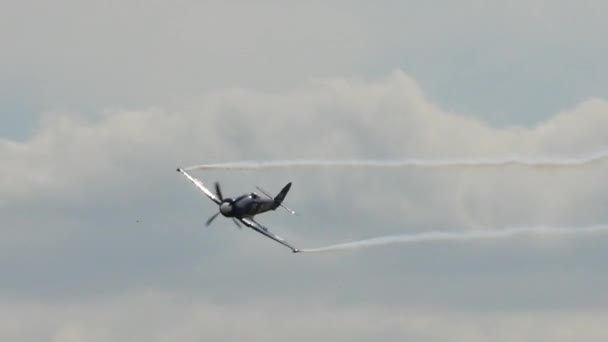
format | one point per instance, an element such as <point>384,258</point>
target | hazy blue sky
<point>100,101</point>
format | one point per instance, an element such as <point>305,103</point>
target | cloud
<point>174,49</point>
<point>521,56</point>
<point>158,316</point>
<point>73,193</point>
<point>70,157</point>
<point>125,93</point>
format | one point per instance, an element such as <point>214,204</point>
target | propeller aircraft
<point>242,209</point>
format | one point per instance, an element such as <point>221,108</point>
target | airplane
<point>243,208</point>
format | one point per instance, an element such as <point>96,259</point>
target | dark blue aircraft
<point>243,208</point>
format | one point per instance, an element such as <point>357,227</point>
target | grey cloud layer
<point>154,316</point>
<point>527,58</point>
<point>125,91</point>
<point>73,191</point>
<point>331,119</point>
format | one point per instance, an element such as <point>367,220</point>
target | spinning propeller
<point>226,208</point>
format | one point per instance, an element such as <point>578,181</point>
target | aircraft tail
<point>281,196</point>
<point>278,200</point>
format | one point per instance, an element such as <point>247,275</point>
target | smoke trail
<point>460,236</point>
<point>556,162</point>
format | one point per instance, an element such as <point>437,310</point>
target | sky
<point>103,240</point>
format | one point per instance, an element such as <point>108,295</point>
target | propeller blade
<point>237,223</point>
<point>211,219</point>
<point>218,191</point>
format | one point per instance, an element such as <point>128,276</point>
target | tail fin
<point>281,196</point>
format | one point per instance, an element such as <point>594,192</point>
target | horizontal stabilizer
<point>281,202</point>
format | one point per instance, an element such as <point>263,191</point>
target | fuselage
<point>247,205</point>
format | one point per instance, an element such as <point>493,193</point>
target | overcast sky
<point>103,240</point>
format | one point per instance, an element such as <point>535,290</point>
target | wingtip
<point>179,169</point>
<point>295,250</point>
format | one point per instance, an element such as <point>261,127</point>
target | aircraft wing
<point>249,222</point>
<point>200,185</point>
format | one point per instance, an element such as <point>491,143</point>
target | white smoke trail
<point>551,162</point>
<point>459,236</point>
